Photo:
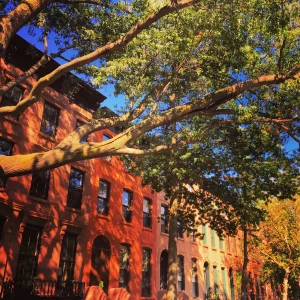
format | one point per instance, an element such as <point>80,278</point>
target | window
<point>5,149</point>
<point>40,184</point>
<point>221,243</point>
<point>2,223</point>
<point>164,215</point>
<point>29,251</point>
<point>124,266</point>
<point>223,271</point>
<point>216,280</point>
<point>206,278</point>
<point>180,228</point>
<point>12,97</point>
<point>227,241</point>
<point>195,288</point>
<point>180,276</point>
<point>101,253</point>
<point>50,119</point>
<point>126,205</point>
<point>147,213</point>
<point>231,279</point>
<point>103,197</point>
<point>78,124</point>
<point>146,273</point>
<point>204,234</point>
<point>163,269</point>
<point>213,238</point>
<point>191,231</point>
<point>75,189</point>
<point>67,257</point>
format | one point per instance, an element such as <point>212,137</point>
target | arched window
<point>100,262</point>
<point>195,288</point>
<point>231,278</point>
<point>163,269</point>
<point>206,278</point>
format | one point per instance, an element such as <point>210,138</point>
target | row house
<point>89,221</point>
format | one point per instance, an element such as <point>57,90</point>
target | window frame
<point>147,216</point>
<point>44,126</point>
<point>126,271</point>
<point>195,283</point>
<point>179,228</point>
<point>67,273</point>
<point>146,275</point>
<point>78,124</point>
<point>164,219</point>
<point>72,191</point>
<point>180,273</point>
<point>10,152</point>
<point>127,209</point>
<point>34,192</point>
<point>105,209</point>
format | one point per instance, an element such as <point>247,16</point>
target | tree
<point>280,242</point>
<point>142,44</point>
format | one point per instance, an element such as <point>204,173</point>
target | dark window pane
<point>124,267</point>
<point>106,137</point>
<point>103,198</point>
<point>126,205</point>
<point>12,97</point>
<point>180,273</point>
<point>29,251</point>
<point>5,149</point>
<point>179,228</point>
<point>75,188</point>
<point>146,273</point>
<point>49,120</point>
<point>78,124</point>
<point>40,184</point>
<point>195,289</point>
<point>67,257</point>
<point>147,213</point>
<point>163,270</point>
<point>2,222</point>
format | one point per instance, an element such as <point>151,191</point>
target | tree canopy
<point>185,62</point>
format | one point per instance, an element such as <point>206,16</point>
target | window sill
<point>147,229</point>
<point>194,242</point>
<point>222,251</point>
<point>36,199</point>
<point>74,210</point>
<point>214,248</point>
<point>126,223</point>
<point>205,246</point>
<point>164,234</point>
<point>47,137</point>
<point>147,298</point>
<point>103,217</point>
<point>181,239</point>
<point>12,120</point>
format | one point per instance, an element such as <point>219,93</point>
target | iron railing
<point>41,289</point>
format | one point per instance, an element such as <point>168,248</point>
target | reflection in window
<point>124,267</point>
<point>50,119</point>
<point>213,238</point>
<point>180,276</point>
<point>103,197</point>
<point>126,205</point>
<point>164,218</point>
<point>106,137</point>
<point>224,280</point>
<point>40,184</point>
<point>146,273</point>
<point>204,231</point>
<point>180,228</point>
<point>231,279</point>
<point>5,149</point>
<point>216,280</point>
<point>147,213</point>
<point>195,288</point>
<point>75,188</point>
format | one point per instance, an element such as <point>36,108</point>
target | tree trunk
<point>172,251</point>
<point>16,19</point>
<point>285,285</point>
<point>245,266</point>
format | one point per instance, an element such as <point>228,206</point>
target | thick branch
<point>110,47</point>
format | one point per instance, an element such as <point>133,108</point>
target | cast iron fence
<point>37,289</point>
